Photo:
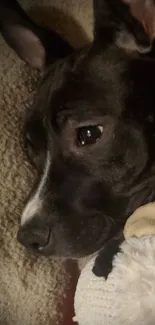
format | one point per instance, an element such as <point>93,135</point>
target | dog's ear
<point>129,23</point>
<point>34,44</point>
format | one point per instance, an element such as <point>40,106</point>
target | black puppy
<point>91,132</point>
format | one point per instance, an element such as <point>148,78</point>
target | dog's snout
<point>34,238</point>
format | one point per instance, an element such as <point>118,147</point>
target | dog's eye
<point>88,135</point>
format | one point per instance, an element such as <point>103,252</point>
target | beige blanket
<point>30,287</point>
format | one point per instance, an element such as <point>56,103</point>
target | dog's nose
<point>33,238</point>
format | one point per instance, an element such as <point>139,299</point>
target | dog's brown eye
<point>88,135</point>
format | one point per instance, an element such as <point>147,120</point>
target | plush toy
<point>117,287</point>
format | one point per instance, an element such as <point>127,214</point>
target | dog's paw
<point>129,23</point>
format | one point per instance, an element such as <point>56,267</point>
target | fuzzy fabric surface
<point>127,296</point>
<point>31,288</point>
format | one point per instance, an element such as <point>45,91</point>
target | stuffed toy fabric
<point>119,289</point>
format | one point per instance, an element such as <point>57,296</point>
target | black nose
<point>33,237</point>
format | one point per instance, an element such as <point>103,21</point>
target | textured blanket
<point>31,288</point>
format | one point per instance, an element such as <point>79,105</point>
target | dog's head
<point>90,133</point>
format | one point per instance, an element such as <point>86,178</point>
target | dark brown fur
<point>90,190</point>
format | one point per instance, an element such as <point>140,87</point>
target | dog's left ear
<point>36,45</point>
<point>128,23</point>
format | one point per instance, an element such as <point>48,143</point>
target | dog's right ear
<point>36,45</point>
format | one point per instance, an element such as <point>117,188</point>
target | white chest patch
<point>35,203</point>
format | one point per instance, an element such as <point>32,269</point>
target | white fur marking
<point>35,203</point>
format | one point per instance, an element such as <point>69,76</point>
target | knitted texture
<point>127,297</point>
<point>29,286</point>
